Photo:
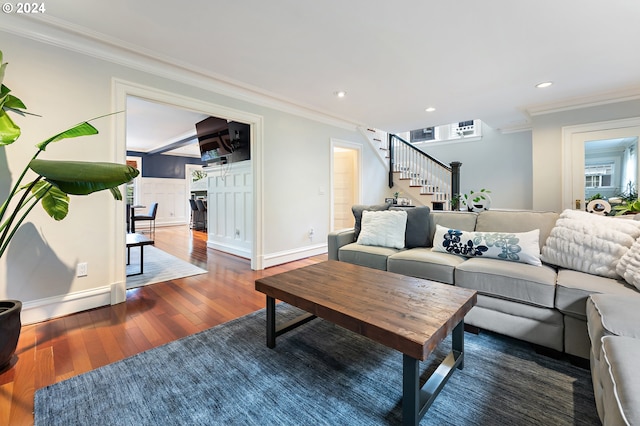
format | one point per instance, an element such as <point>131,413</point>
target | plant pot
<point>9,330</point>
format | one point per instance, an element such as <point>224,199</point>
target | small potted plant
<point>49,183</point>
<point>478,201</point>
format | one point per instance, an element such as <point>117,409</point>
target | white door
<point>575,139</point>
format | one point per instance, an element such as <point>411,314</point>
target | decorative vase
<point>9,330</point>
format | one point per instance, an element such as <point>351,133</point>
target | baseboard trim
<point>236,251</point>
<point>287,256</point>
<point>57,306</point>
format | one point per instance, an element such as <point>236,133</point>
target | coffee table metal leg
<point>410,390</point>
<point>271,322</point>
<point>415,400</point>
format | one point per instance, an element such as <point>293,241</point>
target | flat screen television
<point>221,141</point>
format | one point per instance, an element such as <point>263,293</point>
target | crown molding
<point>628,94</point>
<point>55,32</point>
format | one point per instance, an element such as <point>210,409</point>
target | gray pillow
<point>357,215</point>
<point>417,233</point>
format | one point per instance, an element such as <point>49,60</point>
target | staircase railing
<point>432,175</point>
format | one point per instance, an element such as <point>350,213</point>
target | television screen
<point>221,140</point>
<point>213,138</point>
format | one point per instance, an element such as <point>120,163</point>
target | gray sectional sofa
<point>543,304</point>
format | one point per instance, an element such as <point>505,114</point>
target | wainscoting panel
<point>171,196</point>
<point>230,209</point>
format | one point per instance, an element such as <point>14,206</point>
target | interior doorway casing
<point>354,153</point>
<point>590,131</point>
<point>120,90</point>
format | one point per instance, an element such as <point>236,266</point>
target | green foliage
<point>477,196</point>
<point>54,180</point>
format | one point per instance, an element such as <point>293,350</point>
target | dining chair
<point>149,217</point>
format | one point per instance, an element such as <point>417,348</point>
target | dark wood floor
<point>55,350</point>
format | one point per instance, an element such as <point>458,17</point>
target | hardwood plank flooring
<point>58,349</point>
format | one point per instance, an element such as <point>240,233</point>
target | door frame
<point>339,143</point>
<point>568,133</point>
<point>120,90</point>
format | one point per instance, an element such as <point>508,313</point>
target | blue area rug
<point>319,374</point>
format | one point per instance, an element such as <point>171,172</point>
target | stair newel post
<point>391,159</point>
<point>455,178</point>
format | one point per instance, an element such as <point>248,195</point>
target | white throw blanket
<point>590,243</point>
<point>629,265</point>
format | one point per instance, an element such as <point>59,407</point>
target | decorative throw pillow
<point>516,247</point>
<point>417,232</point>
<point>383,228</point>
<point>357,215</point>
<point>590,243</point>
<point>629,265</point>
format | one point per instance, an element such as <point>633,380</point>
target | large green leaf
<point>9,131</point>
<point>4,94</point>
<point>14,104</point>
<point>82,178</point>
<point>82,129</point>
<point>54,201</point>
<point>3,66</point>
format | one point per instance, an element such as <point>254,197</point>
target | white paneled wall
<point>230,208</point>
<point>171,196</point>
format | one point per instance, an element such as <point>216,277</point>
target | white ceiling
<point>152,126</point>
<point>469,59</point>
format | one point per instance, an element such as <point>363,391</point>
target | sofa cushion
<point>357,215</point>
<point>574,287</point>
<point>425,263</point>
<point>517,221</point>
<point>516,247</point>
<point>383,228</point>
<point>520,282</point>
<point>611,315</point>
<point>629,265</point>
<point>589,243</point>
<point>369,256</point>
<point>620,380</point>
<point>465,221</point>
<point>417,233</point>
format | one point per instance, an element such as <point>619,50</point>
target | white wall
<point>498,162</point>
<point>170,194</point>
<point>66,87</point>
<point>547,146</point>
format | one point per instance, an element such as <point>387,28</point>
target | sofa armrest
<point>338,239</point>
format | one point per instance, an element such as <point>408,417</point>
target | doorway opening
<point>599,159</point>
<point>346,182</point>
<point>122,90</point>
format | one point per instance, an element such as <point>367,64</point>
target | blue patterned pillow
<point>515,247</point>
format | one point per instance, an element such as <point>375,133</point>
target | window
<point>468,130</point>
<point>598,175</point>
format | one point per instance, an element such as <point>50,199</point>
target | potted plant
<point>478,201</point>
<point>49,183</point>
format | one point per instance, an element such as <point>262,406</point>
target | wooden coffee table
<point>408,314</point>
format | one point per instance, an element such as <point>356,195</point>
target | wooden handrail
<point>431,174</point>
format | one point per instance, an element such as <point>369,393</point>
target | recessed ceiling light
<point>430,109</point>
<point>544,84</point>
<point>340,93</point>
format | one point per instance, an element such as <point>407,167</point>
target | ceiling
<point>153,126</point>
<point>468,59</point>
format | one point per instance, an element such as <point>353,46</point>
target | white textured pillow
<point>629,265</point>
<point>517,247</point>
<point>383,228</point>
<point>590,243</point>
